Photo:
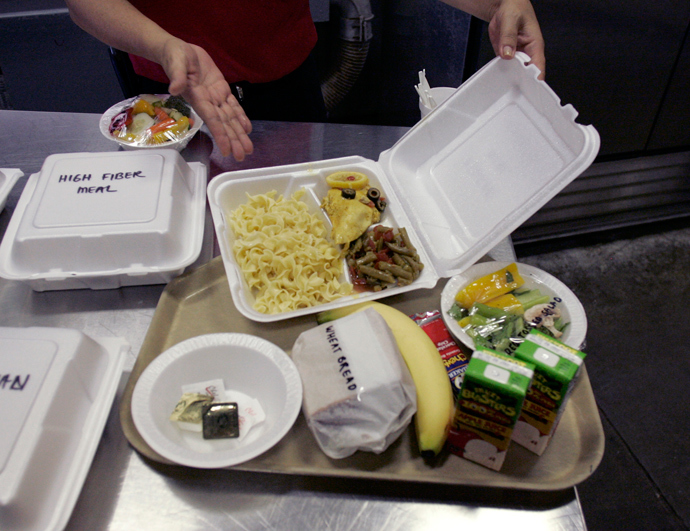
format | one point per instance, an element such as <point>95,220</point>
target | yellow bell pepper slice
<point>490,286</point>
<point>508,303</point>
<point>142,105</point>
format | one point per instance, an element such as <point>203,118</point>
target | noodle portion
<point>284,255</point>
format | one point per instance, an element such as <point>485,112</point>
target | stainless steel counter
<point>126,491</point>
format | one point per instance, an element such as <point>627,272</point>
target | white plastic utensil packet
<point>358,392</point>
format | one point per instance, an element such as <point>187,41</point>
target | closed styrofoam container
<point>460,181</point>
<point>105,220</point>
<point>58,390</point>
<point>8,178</point>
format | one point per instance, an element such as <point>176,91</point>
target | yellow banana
<point>435,406</point>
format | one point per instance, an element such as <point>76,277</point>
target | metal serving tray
<point>199,302</point>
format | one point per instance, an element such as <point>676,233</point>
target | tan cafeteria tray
<point>199,302</point>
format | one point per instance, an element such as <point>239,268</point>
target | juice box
<point>454,359</point>
<point>556,369</point>
<point>491,398</point>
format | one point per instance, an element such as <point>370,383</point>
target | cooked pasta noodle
<point>284,255</point>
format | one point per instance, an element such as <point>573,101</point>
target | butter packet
<point>195,396</point>
<point>491,398</point>
<point>557,368</point>
<point>188,411</point>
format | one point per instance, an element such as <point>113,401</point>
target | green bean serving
<point>383,257</point>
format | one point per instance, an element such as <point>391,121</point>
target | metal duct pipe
<point>353,48</point>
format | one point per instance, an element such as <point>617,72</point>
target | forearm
<point>119,24</point>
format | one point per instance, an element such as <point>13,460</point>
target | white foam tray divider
<point>105,220</point>
<point>460,181</point>
<point>8,178</point>
<point>63,383</point>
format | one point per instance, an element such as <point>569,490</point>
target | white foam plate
<point>245,363</point>
<point>8,178</point>
<point>571,309</point>
<point>460,181</point>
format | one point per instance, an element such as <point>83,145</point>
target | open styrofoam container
<point>59,388</point>
<point>8,178</point>
<point>460,181</point>
<point>105,220</point>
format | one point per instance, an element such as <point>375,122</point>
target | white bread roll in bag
<point>358,393</point>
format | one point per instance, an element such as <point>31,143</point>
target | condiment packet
<point>214,388</point>
<point>250,411</point>
<point>188,412</point>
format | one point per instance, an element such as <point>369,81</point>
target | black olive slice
<point>373,194</point>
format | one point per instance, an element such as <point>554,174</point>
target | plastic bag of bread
<point>358,393</point>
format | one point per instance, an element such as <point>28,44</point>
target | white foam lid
<point>57,388</point>
<point>460,181</point>
<point>87,215</point>
<point>485,160</point>
<point>8,178</point>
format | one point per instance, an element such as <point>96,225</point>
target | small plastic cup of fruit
<point>151,121</point>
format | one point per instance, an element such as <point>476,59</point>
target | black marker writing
<point>14,383</point>
<point>94,189</point>
<point>122,175</point>
<point>74,178</point>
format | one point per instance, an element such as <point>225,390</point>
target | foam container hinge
<point>8,178</point>
<point>57,386</point>
<point>105,220</point>
<point>460,181</point>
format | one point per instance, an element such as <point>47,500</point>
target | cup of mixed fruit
<point>151,121</point>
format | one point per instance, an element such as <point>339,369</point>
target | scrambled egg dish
<point>350,217</point>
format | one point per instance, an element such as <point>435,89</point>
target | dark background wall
<point>624,65</point>
<point>50,64</point>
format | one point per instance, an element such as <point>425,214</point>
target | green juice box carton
<point>488,407</point>
<point>556,369</point>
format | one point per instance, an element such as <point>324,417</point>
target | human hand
<point>513,26</point>
<point>195,77</point>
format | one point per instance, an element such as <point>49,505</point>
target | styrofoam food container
<point>459,181</point>
<point>570,306</point>
<point>105,220</point>
<point>61,384</point>
<point>245,363</point>
<point>178,144</point>
<point>8,178</point>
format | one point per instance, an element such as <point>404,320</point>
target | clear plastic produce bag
<point>358,393</point>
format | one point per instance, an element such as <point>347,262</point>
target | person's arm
<point>513,26</point>
<point>191,71</point>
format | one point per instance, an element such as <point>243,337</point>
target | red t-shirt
<point>249,40</point>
